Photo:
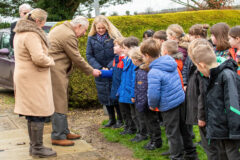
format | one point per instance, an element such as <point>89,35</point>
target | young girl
<point>176,32</point>
<point>146,117</point>
<point>100,55</point>
<point>234,40</point>
<point>219,37</point>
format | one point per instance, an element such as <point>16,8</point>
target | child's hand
<point>185,88</point>
<point>151,108</point>
<point>201,123</point>
<point>104,68</point>
<point>133,100</point>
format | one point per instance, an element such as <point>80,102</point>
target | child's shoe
<point>119,124</point>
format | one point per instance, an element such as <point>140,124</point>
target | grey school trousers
<point>59,126</point>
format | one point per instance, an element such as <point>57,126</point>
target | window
<point>5,40</point>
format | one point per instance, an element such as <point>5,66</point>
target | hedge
<point>82,88</point>
<point>4,25</point>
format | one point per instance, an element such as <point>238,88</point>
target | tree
<point>57,9</point>
<point>114,13</point>
<point>127,13</point>
<point>205,4</point>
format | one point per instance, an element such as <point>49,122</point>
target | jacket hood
<point>24,25</point>
<point>178,55</point>
<point>164,63</point>
<point>228,64</point>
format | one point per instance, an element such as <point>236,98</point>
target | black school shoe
<point>119,124</point>
<point>110,123</point>
<point>128,132</point>
<point>139,138</point>
<point>153,145</point>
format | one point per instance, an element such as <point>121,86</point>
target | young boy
<point>165,93</point>
<point>222,101</point>
<point>116,77</point>
<point>170,47</point>
<point>126,89</point>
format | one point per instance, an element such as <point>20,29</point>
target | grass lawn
<point>113,135</point>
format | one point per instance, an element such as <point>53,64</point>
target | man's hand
<point>133,100</point>
<point>201,123</point>
<point>96,73</point>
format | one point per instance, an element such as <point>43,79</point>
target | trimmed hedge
<point>82,88</point>
<point>4,25</point>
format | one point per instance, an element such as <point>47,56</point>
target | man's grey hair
<point>80,20</point>
<point>25,6</point>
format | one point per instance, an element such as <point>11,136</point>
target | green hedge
<point>82,88</point>
<point>4,25</point>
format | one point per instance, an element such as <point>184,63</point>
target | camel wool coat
<point>64,50</point>
<point>32,79</point>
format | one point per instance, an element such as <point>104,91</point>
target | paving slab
<point>14,142</point>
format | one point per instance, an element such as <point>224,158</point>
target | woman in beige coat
<point>32,79</point>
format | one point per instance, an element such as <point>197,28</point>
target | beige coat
<point>64,50</point>
<point>32,79</point>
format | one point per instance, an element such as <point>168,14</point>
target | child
<point>234,40</point>
<point>170,47</point>
<point>160,36</point>
<point>175,32</point>
<point>147,34</point>
<point>165,93</point>
<point>145,116</point>
<point>116,77</point>
<point>219,37</point>
<point>222,102</point>
<point>126,88</point>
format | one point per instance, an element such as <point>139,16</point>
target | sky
<point>136,6</point>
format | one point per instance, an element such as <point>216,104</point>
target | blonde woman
<point>100,55</point>
<point>32,79</point>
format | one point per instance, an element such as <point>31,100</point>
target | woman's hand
<point>151,108</point>
<point>96,73</point>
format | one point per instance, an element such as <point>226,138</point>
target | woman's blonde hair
<point>177,31</point>
<point>37,13</point>
<point>112,30</point>
<point>200,50</point>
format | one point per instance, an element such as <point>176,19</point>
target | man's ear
<point>202,65</point>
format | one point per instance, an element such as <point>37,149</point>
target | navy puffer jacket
<point>99,55</point>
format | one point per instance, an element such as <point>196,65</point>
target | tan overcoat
<point>64,50</point>
<point>32,79</point>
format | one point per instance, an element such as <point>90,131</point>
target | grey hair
<point>79,20</point>
<point>25,6</point>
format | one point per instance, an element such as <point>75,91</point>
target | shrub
<point>4,25</point>
<point>82,88</point>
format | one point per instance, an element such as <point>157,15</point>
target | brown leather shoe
<point>71,136</point>
<point>62,142</point>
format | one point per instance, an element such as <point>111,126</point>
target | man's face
<point>81,30</point>
<point>24,12</point>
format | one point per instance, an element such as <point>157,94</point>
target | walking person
<point>65,52</point>
<point>32,79</point>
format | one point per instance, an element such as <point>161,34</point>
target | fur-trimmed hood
<point>178,56</point>
<point>24,25</point>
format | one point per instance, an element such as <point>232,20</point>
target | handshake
<point>103,73</point>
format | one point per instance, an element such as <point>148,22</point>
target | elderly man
<point>64,49</point>
<point>23,10</point>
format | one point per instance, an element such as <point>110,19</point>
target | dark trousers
<point>187,133</point>
<point>152,124</point>
<point>126,115</point>
<point>59,126</point>
<point>210,148</point>
<point>134,117</point>
<point>111,112</point>
<point>228,149</point>
<point>35,119</point>
<point>171,120</point>
<point>142,129</point>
